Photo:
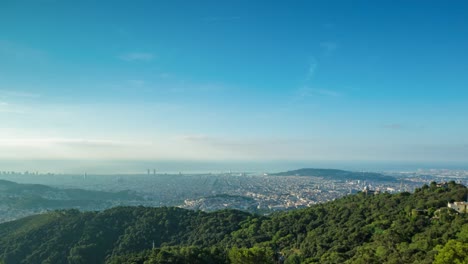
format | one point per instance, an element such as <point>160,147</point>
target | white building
<point>460,207</point>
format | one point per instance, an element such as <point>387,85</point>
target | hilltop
<point>335,174</point>
<point>383,228</point>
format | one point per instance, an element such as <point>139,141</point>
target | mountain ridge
<point>19,199</point>
<point>335,174</point>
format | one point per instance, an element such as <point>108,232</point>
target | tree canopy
<point>360,228</point>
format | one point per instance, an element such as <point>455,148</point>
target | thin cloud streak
<point>329,46</point>
<point>137,56</point>
<point>137,83</point>
<point>312,69</point>
<point>60,141</point>
<point>394,126</point>
<point>221,18</point>
<point>10,93</point>
<point>8,108</point>
<point>20,52</point>
<point>310,92</point>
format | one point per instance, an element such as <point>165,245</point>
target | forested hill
<point>18,200</point>
<point>383,228</point>
<point>13,189</point>
<point>336,174</point>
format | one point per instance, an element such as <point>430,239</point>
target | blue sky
<point>234,80</point>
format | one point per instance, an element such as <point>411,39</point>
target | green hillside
<point>383,228</point>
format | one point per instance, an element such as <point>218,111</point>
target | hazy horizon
<point>190,166</point>
<point>226,81</point>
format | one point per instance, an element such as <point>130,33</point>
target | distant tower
<point>84,176</point>
<point>149,171</point>
<point>154,171</point>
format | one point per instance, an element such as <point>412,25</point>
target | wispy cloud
<point>10,93</point>
<point>311,69</point>
<point>36,142</point>
<point>66,148</point>
<point>309,92</point>
<point>137,56</point>
<point>221,18</point>
<point>308,89</point>
<point>394,126</point>
<point>329,46</point>
<point>136,83</point>
<point>10,101</point>
<point>194,137</point>
<point>242,148</point>
<point>400,126</point>
<point>88,143</point>
<point>20,52</point>
<point>220,145</point>
<point>185,87</point>
<point>8,108</point>
<point>225,141</point>
<point>165,75</point>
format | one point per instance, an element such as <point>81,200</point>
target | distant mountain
<point>19,200</point>
<point>361,228</point>
<point>336,174</point>
<point>9,188</point>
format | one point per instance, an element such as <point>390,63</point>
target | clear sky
<point>234,80</point>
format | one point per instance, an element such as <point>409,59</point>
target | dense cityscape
<point>253,192</point>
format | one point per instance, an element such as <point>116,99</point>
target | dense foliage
<point>383,228</point>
